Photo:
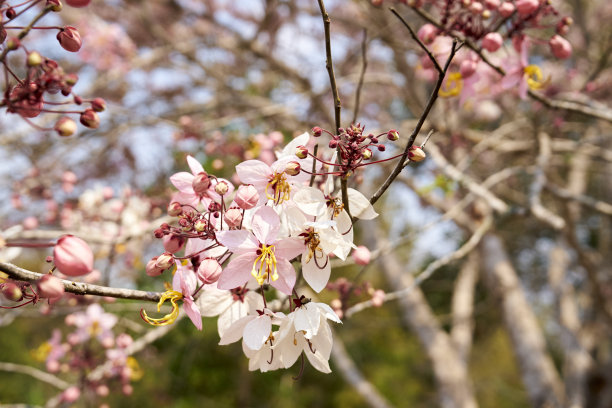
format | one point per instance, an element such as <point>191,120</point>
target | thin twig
<point>364,65</point>
<point>80,288</point>
<point>34,373</point>
<point>418,40</point>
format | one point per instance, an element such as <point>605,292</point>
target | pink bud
<point>127,389</point>
<point>173,243</point>
<point>366,154</point>
<point>492,41</point>
<point>378,298</point>
<point>221,188</point>
<point>317,131</point>
<point>560,47</point>
<point>98,105</point>
<point>247,197</point>
<point>416,154</point>
<point>69,38</point>
<point>200,183</point>
<point>492,4</point>
<point>30,223</point>
<point>65,126</point>
<point>476,8</point>
<point>78,3</point>
<point>164,261</point>
<point>526,7</point>
<point>69,177</point>
<point>50,287</point>
<point>175,209</point>
<point>361,255</point>
<point>427,33</point>
<point>209,271</point>
<point>233,217</point>
<point>393,135</point>
<point>152,269</point>
<point>506,9</point>
<point>124,340</point>
<point>90,119</point>
<point>71,394</point>
<point>102,390</point>
<point>467,68</point>
<point>72,256</point>
<point>301,152</point>
<point>293,168</point>
<point>11,292</point>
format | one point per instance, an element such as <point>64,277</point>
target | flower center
<point>174,297</point>
<point>336,205</point>
<point>452,86</point>
<point>265,264</point>
<point>280,188</point>
<point>535,77</point>
<point>312,242</point>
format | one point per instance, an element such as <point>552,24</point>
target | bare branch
<point>364,65</point>
<point>34,373</point>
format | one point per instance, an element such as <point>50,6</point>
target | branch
<point>80,288</point>
<point>432,99</point>
<point>364,65</point>
<point>35,373</point>
<point>462,307</point>
<point>597,205</point>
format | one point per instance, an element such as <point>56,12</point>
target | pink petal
<point>237,272</point>
<point>183,182</point>
<point>286,277</point>
<point>192,312</point>
<point>266,224</point>
<point>254,172</point>
<point>194,165</point>
<point>289,248</point>
<point>238,241</point>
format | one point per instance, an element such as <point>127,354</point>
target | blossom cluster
<point>233,249</point>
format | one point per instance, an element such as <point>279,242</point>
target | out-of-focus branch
<point>34,373</point>
<point>432,99</point>
<point>539,180</point>
<point>540,377</point>
<point>597,205</point>
<point>462,306</point>
<point>353,376</point>
<point>80,288</point>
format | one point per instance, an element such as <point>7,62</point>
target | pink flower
<point>260,254</point>
<point>69,38</point>
<point>50,287</point>
<point>185,282</point>
<point>361,255</point>
<point>492,42</point>
<point>560,47</point>
<point>184,182</point>
<point>72,256</point>
<point>94,322</point>
<point>526,7</point>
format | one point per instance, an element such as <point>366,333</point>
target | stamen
<point>267,265</point>
<point>452,86</point>
<point>281,188</point>
<point>174,296</point>
<point>535,77</point>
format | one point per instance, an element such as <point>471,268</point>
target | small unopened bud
<point>65,126</point>
<point>293,168</point>
<point>55,5</point>
<point>164,261</point>
<point>12,292</point>
<point>72,256</point>
<point>10,13</point>
<point>560,47</point>
<point>78,3</point>
<point>366,154</point>
<point>209,271</point>
<point>152,269</point>
<point>175,209</point>
<point>492,4</point>
<point>301,152</point>
<point>381,148</point>
<point>317,131</point>
<point>200,183</point>
<point>476,8</point>
<point>71,79</point>
<point>361,255</point>
<point>70,39</point>
<point>486,14</point>
<point>333,144</point>
<point>506,9</point>
<point>492,42</point>
<point>526,7</point>
<point>90,119</point>
<point>71,394</point>
<point>427,33</point>
<point>50,287</point>
<point>378,298</point>
<point>393,135</point>
<point>416,154</point>
<point>98,105</point>
<point>199,225</point>
<point>34,59</point>
<point>13,43</point>
<point>221,188</point>
<point>247,197</point>
<point>467,68</point>
<point>173,243</point>
<point>233,217</point>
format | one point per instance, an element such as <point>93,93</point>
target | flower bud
<point>492,42</point>
<point>98,105</point>
<point>13,43</point>
<point>233,217</point>
<point>164,261</point>
<point>467,68</point>
<point>124,340</point>
<point>65,126</point>
<point>50,287</point>
<point>199,225</point>
<point>55,5</point>
<point>506,9</point>
<point>221,188</point>
<point>560,47</point>
<point>333,144</point>
<point>11,292</point>
<point>293,168</point>
<point>72,256</point>
<point>175,209</point>
<point>427,33</point>
<point>247,197</point>
<point>476,8</point>
<point>366,154</point>
<point>393,135</point>
<point>78,3</point>
<point>34,59</point>
<point>173,243</point>
<point>492,4</point>
<point>381,148</point>
<point>317,131</point>
<point>152,269</point>
<point>209,271</point>
<point>526,7</point>
<point>10,13</point>
<point>200,183</point>
<point>378,298</point>
<point>71,394</point>
<point>70,39</point>
<point>301,152</point>
<point>361,255</point>
<point>416,154</point>
<point>90,119</point>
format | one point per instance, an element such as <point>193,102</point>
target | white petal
<point>235,330</point>
<point>310,200</point>
<point>360,206</point>
<point>307,319</point>
<point>316,277</point>
<point>301,140</point>
<point>257,331</point>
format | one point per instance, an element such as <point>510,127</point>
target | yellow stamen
<point>313,242</point>
<point>267,265</point>
<point>136,373</point>
<point>174,297</point>
<point>452,86</point>
<point>281,188</point>
<point>336,205</point>
<point>535,77</point>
